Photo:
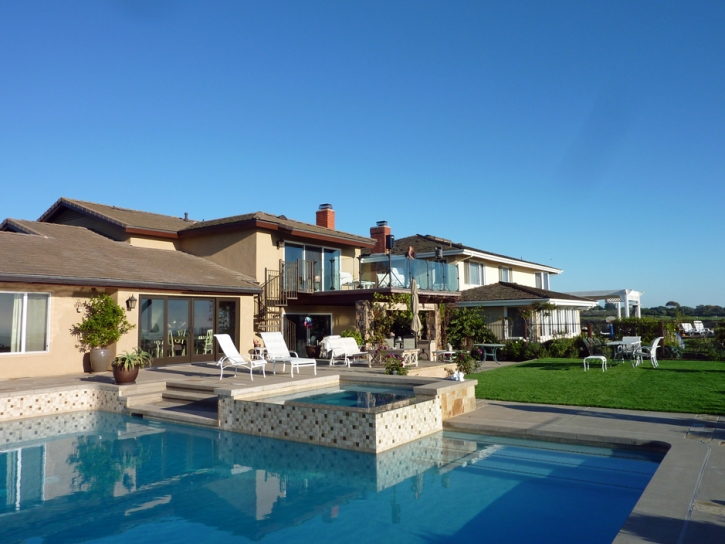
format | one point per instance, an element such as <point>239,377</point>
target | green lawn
<point>676,386</point>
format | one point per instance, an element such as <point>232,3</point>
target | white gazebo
<point>623,298</point>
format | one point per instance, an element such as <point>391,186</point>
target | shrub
<point>353,333</point>
<point>467,324</point>
<point>563,347</point>
<point>465,362</point>
<point>646,327</point>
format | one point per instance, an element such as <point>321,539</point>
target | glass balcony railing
<point>429,275</point>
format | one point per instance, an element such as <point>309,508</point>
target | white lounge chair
<point>649,353</point>
<point>701,329</point>
<point>277,352</point>
<point>233,358</point>
<point>346,351</point>
<point>687,329</point>
<point>326,345</point>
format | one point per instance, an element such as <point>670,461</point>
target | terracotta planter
<point>121,375</point>
<point>100,359</point>
<point>313,351</point>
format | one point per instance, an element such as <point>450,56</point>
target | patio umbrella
<point>416,325</point>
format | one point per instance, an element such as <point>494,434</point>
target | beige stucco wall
<point>62,356</point>
<point>154,243</point>
<point>251,252</point>
<point>236,250</point>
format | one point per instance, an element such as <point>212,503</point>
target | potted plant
<point>104,324</point>
<point>126,365</point>
<point>394,364</point>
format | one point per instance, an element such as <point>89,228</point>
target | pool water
<point>349,395</point>
<point>116,479</point>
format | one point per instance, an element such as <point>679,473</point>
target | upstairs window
<point>23,322</point>
<point>474,274</point>
<point>505,274</point>
<point>542,280</point>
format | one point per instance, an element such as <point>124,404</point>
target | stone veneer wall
<point>458,401</point>
<point>21,431</point>
<point>337,427</point>
<point>33,404</point>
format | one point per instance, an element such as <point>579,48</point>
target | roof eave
<point>104,282</point>
<point>528,302</point>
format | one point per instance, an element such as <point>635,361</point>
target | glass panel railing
<point>398,271</point>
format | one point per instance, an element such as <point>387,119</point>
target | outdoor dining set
<point>629,348</point>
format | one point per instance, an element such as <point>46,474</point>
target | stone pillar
<point>363,317</point>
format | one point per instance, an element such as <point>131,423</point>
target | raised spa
<point>356,413</point>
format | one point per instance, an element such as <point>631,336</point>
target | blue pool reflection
<point>112,478</point>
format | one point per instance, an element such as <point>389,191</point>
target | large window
<point>318,267</point>
<point>23,322</point>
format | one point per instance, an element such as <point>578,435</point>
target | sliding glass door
<point>181,330</point>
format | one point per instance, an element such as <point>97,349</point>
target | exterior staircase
<point>279,286</point>
<point>181,402</point>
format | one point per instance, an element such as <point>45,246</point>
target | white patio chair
<point>233,358</point>
<point>346,351</point>
<point>649,353</point>
<point>701,329</point>
<point>277,352</point>
<point>688,329</point>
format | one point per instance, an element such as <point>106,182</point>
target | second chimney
<point>378,233</point>
<point>326,216</point>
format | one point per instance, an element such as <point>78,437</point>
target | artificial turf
<point>676,386</point>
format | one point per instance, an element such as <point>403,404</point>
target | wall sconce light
<point>130,303</point>
<point>78,306</point>
<point>280,244</point>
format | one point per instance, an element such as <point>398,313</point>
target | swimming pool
<point>350,395</point>
<point>116,479</point>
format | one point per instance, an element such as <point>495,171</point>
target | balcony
<point>380,271</point>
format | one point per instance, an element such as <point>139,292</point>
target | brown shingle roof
<point>76,256</point>
<point>427,244</point>
<point>297,227</point>
<point>122,217</point>
<point>513,291</point>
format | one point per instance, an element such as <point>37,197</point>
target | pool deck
<point>683,504</point>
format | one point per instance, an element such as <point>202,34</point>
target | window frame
<point>481,274</point>
<point>509,273</point>
<point>24,323</point>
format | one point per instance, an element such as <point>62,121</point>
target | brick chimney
<point>378,233</point>
<point>326,216</point>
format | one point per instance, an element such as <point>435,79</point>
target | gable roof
<point>280,223</point>
<point>426,243</point>
<point>125,218</point>
<point>138,222</point>
<point>62,254</point>
<point>505,291</point>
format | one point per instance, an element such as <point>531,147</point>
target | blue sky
<point>585,135</point>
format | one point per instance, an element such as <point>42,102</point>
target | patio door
<point>321,327</point>
<point>181,329</point>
